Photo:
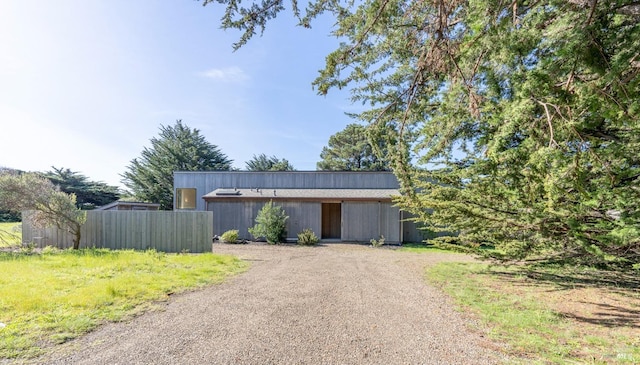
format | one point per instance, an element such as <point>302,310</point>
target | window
<point>185,198</point>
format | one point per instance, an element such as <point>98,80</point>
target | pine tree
<point>178,148</point>
<point>263,162</point>
<point>89,194</point>
<point>350,150</point>
<point>522,119</point>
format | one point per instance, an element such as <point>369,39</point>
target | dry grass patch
<point>551,315</point>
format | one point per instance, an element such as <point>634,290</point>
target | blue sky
<point>85,85</point>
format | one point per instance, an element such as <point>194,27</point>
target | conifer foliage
<point>271,224</point>
<point>89,194</point>
<point>522,118</point>
<point>262,162</point>
<point>177,148</point>
<point>351,150</point>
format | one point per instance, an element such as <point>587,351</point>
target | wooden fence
<point>165,231</point>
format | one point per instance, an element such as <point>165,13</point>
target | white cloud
<point>229,74</point>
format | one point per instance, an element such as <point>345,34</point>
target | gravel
<point>330,304</point>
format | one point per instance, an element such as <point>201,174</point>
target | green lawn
<point>423,248</point>
<point>55,296</point>
<point>10,234</point>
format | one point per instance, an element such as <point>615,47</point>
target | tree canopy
<point>50,206</point>
<point>263,162</point>
<point>89,194</point>
<point>5,214</point>
<point>177,148</point>
<point>351,150</point>
<point>521,117</point>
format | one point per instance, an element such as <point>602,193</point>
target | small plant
<point>270,224</point>
<point>230,236</point>
<point>377,242</point>
<point>158,255</point>
<point>28,248</point>
<point>307,238</point>
<point>47,250</point>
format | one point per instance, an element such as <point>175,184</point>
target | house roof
<point>303,194</point>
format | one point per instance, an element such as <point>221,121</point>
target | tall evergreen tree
<point>89,194</point>
<point>178,148</point>
<point>350,150</point>
<point>530,109</point>
<point>263,162</point>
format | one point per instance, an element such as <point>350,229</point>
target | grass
<point>55,296</point>
<point>10,234</point>
<point>519,311</point>
<point>422,248</point>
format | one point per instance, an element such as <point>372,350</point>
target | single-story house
<point>336,206</point>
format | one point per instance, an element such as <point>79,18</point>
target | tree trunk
<point>76,237</point>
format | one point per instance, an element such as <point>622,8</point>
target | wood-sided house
<point>336,206</point>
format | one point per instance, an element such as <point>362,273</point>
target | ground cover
<point>422,248</point>
<point>550,315</point>
<point>10,234</point>
<point>53,296</point>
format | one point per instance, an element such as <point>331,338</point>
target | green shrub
<point>377,242</point>
<point>47,250</point>
<point>230,236</point>
<point>307,238</point>
<point>28,248</point>
<point>270,224</point>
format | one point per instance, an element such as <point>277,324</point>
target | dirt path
<point>333,304</point>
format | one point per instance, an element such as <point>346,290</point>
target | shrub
<point>377,242</point>
<point>230,236</point>
<point>270,224</point>
<point>307,238</point>
<point>50,250</point>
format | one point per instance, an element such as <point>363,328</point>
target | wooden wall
<point>207,181</point>
<point>363,221</point>
<point>161,230</point>
<point>360,221</point>
<point>241,215</point>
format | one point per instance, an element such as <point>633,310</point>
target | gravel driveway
<point>331,304</point>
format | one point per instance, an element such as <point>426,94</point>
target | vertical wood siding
<point>411,231</point>
<point>363,221</point>
<point>139,230</point>
<point>357,218</point>
<point>233,215</point>
<point>241,215</point>
<point>207,181</point>
<point>302,215</point>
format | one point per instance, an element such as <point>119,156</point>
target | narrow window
<point>185,198</point>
